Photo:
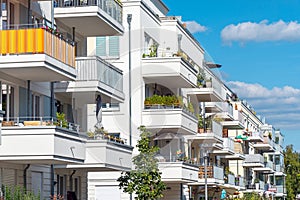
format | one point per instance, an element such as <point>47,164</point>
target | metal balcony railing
<point>96,69</point>
<point>25,121</point>
<point>112,7</point>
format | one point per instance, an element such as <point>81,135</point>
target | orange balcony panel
<point>32,41</point>
<point>27,52</point>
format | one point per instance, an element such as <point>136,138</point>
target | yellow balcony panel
<point>36,54</point>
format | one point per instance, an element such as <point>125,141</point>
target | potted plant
<point>208,82</point>
<point>200,77</point>
<point>200,124</point>
<point>190,107</point>
<point>256,181</point>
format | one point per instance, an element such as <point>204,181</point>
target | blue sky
<point>258,44</point>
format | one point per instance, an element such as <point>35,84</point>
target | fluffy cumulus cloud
<point>262,31</point>
<point>195,27</point>
<point>280,106</point>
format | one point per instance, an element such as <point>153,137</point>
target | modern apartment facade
<point>149,70</point>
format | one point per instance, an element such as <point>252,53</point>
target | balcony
<point>234,121</point>
<point>255,137</point>
<point>169,119</point>
<point>253,160</point>
<point>228,147</point>
<point>213,107</point>
<point>106,154</point>
<point>267,168</point>
<point>210,93</point>
<point>240,181</point>
<point>164,70</point>
<point>41,140</point>
<point>214,174</point>
<point>36,54</point>
<point>267,145</point>
<point>230,179</point>
<point>91,18</point>
<point>95,74</point>
<point>238,152</point>
<point>179,172</point>
<point>214,133</point>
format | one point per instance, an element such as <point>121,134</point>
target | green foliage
<point>19,193</point>
<point>163,100</point>
<point>251,196</point>
<point>292,170</point>
<point>153,50</point>
<point>191,107</point>
<point>145,179</point>
<point>201,76</point>
<point>61,120</point>
<point>200,121</point>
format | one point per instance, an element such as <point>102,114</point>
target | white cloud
<point>280,106</point>
<point>262,31</point>
<point>195,27</point>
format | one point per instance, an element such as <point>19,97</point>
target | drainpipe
<point>25,177</point>
<point>52,99</point>
<point>52,181</point>
<point>129,18</point>
<point>28,98</point>
<point>71,182</point>
<point>29,13</point>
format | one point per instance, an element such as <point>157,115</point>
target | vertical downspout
<point>129,18</point>
<point>29,13</point>
<point>25,177</point>
<point>52,180</point>
<point>28,98</point>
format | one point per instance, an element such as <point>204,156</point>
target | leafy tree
<point>292,170</point>
<point>145,179</point>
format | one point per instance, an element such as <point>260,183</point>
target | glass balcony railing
<point>112,7</point>
<point>97,69</point>
<point>36,39</point>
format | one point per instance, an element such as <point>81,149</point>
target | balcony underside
<point>178,172</point>
<point>255,139</point>
<point>263,169</point>
<point>235,156</point>
<point>164,70</point>
<point>89,21</point>
<point>264,147</point>
<point>89,86</point>
<point>205,94</point>
<point>41,145</point>
<point>103,155</point>
<point>251,165</point>
<point>36,67</point>
<point>232,124</point>
<point>169,120</point>
<point>223,152</point>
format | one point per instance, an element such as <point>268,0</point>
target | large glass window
<point>8,101</point>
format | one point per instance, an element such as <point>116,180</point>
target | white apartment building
<point>148,70</point>
<point>43,52</point>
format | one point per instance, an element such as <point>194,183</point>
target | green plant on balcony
<point>270,135</point>
<point>201,76</point>
<point>200,124</point>
<point>61,120</point>
<point>190,107</point>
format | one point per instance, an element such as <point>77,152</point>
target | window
<point>108,46</point>
<point>8,101</point>
<point>36,105</point>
